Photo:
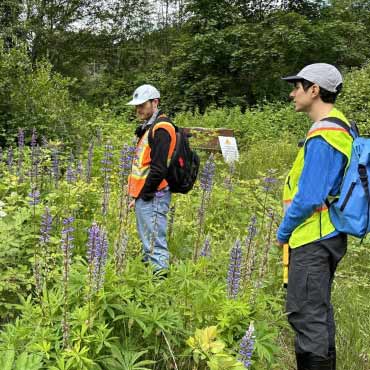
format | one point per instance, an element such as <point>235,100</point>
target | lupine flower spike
<point>234,273</point>
<point>46,223</point>
<point>126,158</point>
<point>97,256</point>
<point>106,169</point>
<point>264,262</point>
<point>89,162</point>
<point>206,250</point>
<point>71,173</point>
<point>67,245</point>
<point>250,250</point>
<point>206,184</point>
<point>20,154</point>
<point>34,158</point>
<point>247,347</point>
<point>121,244</point>
<point>55,167</point>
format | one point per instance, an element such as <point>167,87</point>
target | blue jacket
<point>322,175</point>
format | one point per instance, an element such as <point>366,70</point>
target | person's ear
<point>315,90</point>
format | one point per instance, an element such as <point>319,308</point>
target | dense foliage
<point>199,53</point>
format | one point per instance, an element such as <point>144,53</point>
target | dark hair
<point>325,95</point>
<point>328,96</point>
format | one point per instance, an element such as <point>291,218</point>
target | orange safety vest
<point>142,159</point>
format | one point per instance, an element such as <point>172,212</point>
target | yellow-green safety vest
<point>318,224</point>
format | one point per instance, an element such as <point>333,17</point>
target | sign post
<point>229,148</point>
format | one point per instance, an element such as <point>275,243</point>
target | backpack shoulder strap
<point>162,118</point>
<point>352,128</point>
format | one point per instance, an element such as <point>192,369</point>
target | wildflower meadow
<point>74,291</point>
<point>76,295</point>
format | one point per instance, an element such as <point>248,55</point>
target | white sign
<point>229,148</point>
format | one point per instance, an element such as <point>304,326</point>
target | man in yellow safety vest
<point>316,247</point>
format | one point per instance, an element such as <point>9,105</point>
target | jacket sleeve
<point>158,166</point>
<point>322,172</point>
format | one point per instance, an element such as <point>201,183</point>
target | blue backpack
<point>350,213</point>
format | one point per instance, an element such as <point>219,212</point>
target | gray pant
<point>310,312</point>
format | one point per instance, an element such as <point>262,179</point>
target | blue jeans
<point>151,223</point>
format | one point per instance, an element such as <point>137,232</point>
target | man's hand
<point>280,243</point>
<point>131,204</point>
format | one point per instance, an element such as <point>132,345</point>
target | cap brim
<point>291,78</point>
<point>136,102</point>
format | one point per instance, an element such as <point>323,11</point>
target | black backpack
<point>184,165</point>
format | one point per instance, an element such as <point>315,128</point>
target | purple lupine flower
<point>97,256</point>
<point>125,164</point>
<point>67,236</point>
<point>10,159</point>
<point>106,169</point>
<point>100,261</point>
<point>265,256</point>
<point>46,221</point>
<point>20,138</point>
<point>35,160</point>
<point>207,175</point>
<point>107,158</point>
<point>70,173</point>
<point>20,154</point>
<point>252,229</point>
<point>89,162</point>
<point>247,347</point>
<point>127,155</point>
<point>93,241</point>
<point>66,246</point>
<point>234,273</point>
<point>55,167</point>
<point>45,228</point>
<point>206,183</point>
<point>228,182</point>
<point>79,169</point>
<point>250,252</point>
<point>269,180</point>
<point>206,250</point>
<point>34,196</point>
<point>33,138</point>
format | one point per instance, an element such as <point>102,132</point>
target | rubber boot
<point>313,362</point>
<point>333,357</point>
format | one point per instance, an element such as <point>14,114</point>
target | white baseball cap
<point>144,93</point>
<point>325,75</point>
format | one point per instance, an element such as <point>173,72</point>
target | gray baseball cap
<point>325,75</point>
<point>144,93</point>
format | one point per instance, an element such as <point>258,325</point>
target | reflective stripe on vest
<point>142,160</point>
<point>318,224</point>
